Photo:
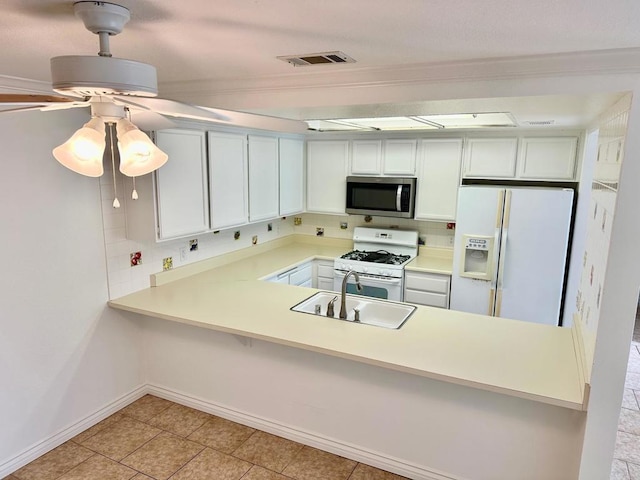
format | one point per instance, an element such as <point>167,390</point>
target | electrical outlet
<point>183,254</point>
<point>451,239</point>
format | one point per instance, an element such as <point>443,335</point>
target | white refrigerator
<point>510,255</point>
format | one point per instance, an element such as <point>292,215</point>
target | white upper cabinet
<point>327,163</point>
<point>366,157</point>
<point>263,178</point>
<point>181,184</point>
<point>439,163</point>
<point>547,158</point>
<point>399,157</point>
<point>490,157</point>
<point>228,180</point>
<point>291,176</point>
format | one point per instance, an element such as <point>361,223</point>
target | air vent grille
<point>540,123</point>
<point>322,58</point>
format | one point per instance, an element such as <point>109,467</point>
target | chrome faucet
<point>343,300</point>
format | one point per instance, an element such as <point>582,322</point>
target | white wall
<point>63,354</point>
<point>425,427</point>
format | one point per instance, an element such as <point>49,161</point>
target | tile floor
<point>155,439</point>
<point>626,463</point>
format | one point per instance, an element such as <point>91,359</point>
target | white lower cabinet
<point>323,274</point>
<point>228,180</point>
<point>302,276</point>
<point>429,289</point>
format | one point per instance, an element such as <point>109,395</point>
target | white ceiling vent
<point>317,59</point>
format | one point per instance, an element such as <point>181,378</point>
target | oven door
<point>387,288</point>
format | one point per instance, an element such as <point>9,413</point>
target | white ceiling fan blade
<point>171,108</point>
<point>148,120</point>
<point>262,122</point>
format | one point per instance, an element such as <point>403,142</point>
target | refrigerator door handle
<point>503,251</point>
<point>496,240</point>
<point>492,297</point>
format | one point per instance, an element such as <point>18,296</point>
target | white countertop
<point>515,358</point>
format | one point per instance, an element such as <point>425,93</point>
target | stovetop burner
<point>379,256</point>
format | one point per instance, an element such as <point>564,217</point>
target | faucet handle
<point>356,313</point>
<point>330,311</point>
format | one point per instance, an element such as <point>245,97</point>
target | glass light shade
<point>83,152</point>
<point>138,154</point>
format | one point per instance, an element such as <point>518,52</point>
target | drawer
<point>427,282</point>
<point>427,298</point>
<point>325,271</point>
<point>301,275</point>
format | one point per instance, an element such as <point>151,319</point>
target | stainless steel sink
<point>380,313</point>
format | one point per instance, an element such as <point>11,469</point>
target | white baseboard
<point>337,447</point>
<point>40,448</point>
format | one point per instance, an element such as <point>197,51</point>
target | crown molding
<point>618,61</point>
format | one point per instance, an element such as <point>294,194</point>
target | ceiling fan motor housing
<point>86,76</point>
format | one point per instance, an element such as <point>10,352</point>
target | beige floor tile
<point>634,471</point>
<point>259,473</point>
<point>54,463</point>
<point>98,427</point>
<point>212,465</point>
<point>99,468</point>
<point>268,451</point>
<point>146,407</point>
<point>629,400</point>
<point>314,464</point>
<point>141,476</point>
<point>627,448</point>
<point>163,456</point>
<point>221,434</point>
<point>619,471</point>
<point>366,472</point>
<point>120,439</point>
<point>632,381</point>
<point>629,421</point>
<point>180,420</point>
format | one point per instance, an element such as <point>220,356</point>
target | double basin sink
<point>380,313</point>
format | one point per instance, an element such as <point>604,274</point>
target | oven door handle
<point>389,281</point>
<point>399,199</point>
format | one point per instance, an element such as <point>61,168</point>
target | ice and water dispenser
<point>477,257</point>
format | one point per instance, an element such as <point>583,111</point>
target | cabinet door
<point>399,157</point>
<point>438,179</point>
<point>366,157</point>
<point>327,175</point>
<point>181,184</point>
<point>228,179</point>
<point>552,158</point>
<point>263,178</point>
<point>291,176</point>
<point>490,157</point>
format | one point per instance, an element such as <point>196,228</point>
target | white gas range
<point>379,257</point>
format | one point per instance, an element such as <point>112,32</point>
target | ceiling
<point>226,42</point>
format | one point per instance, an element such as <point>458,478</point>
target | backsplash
<point>125,278</point>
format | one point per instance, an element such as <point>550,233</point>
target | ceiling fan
<point>116,91</point>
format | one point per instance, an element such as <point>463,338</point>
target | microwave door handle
<point>399,199</point>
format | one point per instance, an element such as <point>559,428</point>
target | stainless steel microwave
<point>381,196</point>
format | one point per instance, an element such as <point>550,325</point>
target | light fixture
<point>138,154</point>
<point>83,152</point>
